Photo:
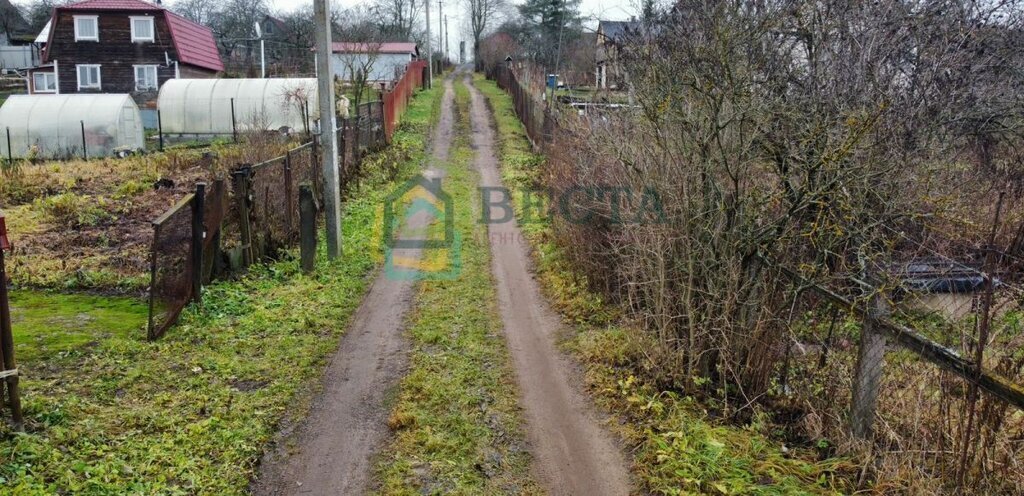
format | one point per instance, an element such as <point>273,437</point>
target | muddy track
<point>573,455</point>
<point>332,450</point>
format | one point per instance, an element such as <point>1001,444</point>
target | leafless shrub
<point>821,136</point>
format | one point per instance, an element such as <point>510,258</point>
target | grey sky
<point>618,10</point>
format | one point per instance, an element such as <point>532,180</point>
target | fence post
<point>220,189</point>
<point>870,361</point>
<point>10,369</point>
<point>240,179</point>
<point>160,129</point>
<point>288,200</point>
<point>198,235</point>
<point>85,155</point>
<point>307,228</point>
<point>305,118</point>
<point>234,126</point>
<point>10,154</point>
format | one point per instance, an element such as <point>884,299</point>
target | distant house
<point>610,37</point>
<point>121,46</point>
<point>16,37</point>
<point>274,28</point>
<point>384,62</point>
<point>287,47</point>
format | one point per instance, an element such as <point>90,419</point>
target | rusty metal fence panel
<point>254,218</point>
<point>171,267</point>
<point>215,213</point>
<point>270,215</point>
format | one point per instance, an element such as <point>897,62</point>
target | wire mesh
<point>216,208</point>
<point>171,270</point>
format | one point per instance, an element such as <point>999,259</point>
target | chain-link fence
<point>369,124</point>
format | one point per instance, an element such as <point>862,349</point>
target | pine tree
<point>552,24</point>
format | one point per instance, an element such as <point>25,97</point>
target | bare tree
<point>232,22</point>
<point>483,15</point>
<point>36,12</point>
<point>814,135</point>
<point>203,12</point>
<point>397,19</point>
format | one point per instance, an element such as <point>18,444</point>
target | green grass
<point>676,448</point>
<point>456,422</point>
<point>191,413</point>
<point>49,324</point>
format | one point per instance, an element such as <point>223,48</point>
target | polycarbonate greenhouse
<point>224,106</point>
<point>66,126</point>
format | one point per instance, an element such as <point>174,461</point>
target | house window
<point>44,82</point>
<point>87,28</point>
<point>142,28</point>
<point>145,77</point>
<point>88,77</point>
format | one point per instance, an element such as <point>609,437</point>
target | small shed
<point>223,106</point>
<point>58,126</point>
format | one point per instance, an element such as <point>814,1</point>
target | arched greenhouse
<point>65,126</point>
<point>224,106</point>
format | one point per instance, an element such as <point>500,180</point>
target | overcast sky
<point>615,10</point>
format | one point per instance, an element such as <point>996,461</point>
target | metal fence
<point>397,100</point>
<point>530,110</point>
<point>171,266</point>
<point>18,57</point>
<point>224,227</point>
<point>253,216</point>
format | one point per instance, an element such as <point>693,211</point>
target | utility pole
<point>440,30</point>
<point>430,53</point>
<point>328,137</point>
<point>446,52</point>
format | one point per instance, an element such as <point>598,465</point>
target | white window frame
<point>96,24</point>
<point>35,84</point>
<point>152,28</point>
<point>99,77</point>
<point>156,76</point>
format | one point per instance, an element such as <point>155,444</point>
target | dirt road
<point>331,451</point>
<point>573,455</point>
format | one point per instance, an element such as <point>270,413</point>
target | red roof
<point>112,5</point>
<point>194,42</point>
<point>386,47</point>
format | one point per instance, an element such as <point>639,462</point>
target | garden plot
<point>86,225</point>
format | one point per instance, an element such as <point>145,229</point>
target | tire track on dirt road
<point>573,455</point>
<point>331,450</point>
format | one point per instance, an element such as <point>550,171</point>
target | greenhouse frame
<point>70,126</point>
<point>229,106</point>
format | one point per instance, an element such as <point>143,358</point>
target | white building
<point>385,62</point>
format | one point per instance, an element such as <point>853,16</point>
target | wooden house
<point>121,46</point>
